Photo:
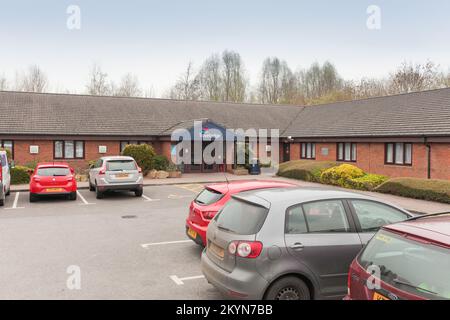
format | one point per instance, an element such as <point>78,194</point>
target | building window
<point>346,151</point>
<point>398,153</point>
<point>8,144</point>
<point>123,144</point>
<point>308,150</point>
<point>68,149</point>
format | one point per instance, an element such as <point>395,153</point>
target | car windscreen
<point>53,172</point>
<point>120,165</point>
<point>208,196</point>
<point>241,217</point>
<point>416,267</point>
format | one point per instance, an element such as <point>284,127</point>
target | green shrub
<point>160,162</point>
<point>20,175</point>
<point>432,190</point>
<point>304,169</point>
<point>367,182</point>
<point>340,175</point>
<point>143,154</point>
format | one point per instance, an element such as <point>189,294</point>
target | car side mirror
<point>72,171</point>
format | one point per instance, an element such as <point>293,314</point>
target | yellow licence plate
<point>377,296</point>
<point>218,251</point>
<point>122,175</point>
<point>54,189</point>
<point>192,233</point>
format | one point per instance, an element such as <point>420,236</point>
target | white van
<point>5,178</point>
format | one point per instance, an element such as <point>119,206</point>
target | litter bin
<point>254,167</point>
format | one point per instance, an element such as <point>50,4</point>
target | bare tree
<point>210,79</point>
<point>277,84</point>
<point>187,86</point>
<point>319,80</point>
<point>233,75</point>
<point>369,87</point>
<point>411,77</point>
<point>128,87</point>
<point>3,83</point>
<point>98,82</point>
<point>34,80</point>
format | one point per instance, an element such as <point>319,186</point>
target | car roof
<point>52,164</point>
<point>292,196</point>
<point>117,158</point>
<point>434,228</point>
<point>246,185</point>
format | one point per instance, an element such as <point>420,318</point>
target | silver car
<point>115,174</point>
<point>291,244</point>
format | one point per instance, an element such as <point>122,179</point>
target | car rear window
<point>208,196</point>
<point>241,217</point>
<point>120,165</point>
<point>411,266</point>
<point>53,172</point>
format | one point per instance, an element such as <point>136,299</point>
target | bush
<point>143,154</point>
<point>160,162</point>
<point>367,182</point>
<point>304,169</point>
<point>432,190</point>
<point>20,175</point>
<point>340,175</point>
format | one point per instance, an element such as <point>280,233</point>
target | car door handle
<point>297,246</point>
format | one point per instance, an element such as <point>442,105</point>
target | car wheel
<point>2,202</point>
<point>138,192</point>
<point>73,196</point>
<point>33,197</point>
<point>91,186</point>
<point>98,193</point>
<point>9,191</point>
<point>288,288</point>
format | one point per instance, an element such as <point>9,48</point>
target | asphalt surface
<point>120,247</point>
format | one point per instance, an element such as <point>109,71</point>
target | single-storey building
<point>406,135</point>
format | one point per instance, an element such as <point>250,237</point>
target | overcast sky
<point>156,39</point>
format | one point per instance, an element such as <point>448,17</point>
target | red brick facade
<point>370,156</point>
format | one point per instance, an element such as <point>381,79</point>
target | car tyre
<point>139,192</point>
<point>9,191</point>
<point>2,202</point>
<point>98,193</point>
<point>73,196</point>
<point>91,186</point>
<point>33,197</point>
<point>288,288</point>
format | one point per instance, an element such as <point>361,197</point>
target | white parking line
<point>16,200</point>
<point>177,196</point>
<point>83,199</point>
<point>179,281</point>
<point>148,199</point>
<point>146,245</point>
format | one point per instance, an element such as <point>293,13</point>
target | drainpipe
<point>428,145</point>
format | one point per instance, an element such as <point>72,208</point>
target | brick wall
<point>370,158</point>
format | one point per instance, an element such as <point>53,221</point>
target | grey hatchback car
<point>291,244</point>
<point>118,173</point>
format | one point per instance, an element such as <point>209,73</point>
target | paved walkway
<point>202,178</point>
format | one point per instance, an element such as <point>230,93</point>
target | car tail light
<point>102,171</point>
<point>245,249</point>
<point>37,179</point>
<point>208,215</point>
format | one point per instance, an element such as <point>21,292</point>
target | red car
<point>213,197</point>
<point>409,260</point>
<point>55,178</point>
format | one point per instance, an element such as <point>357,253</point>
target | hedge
<point>143,154</point>
<point>20,175</point>
<point>304,169</point>
<point>432,190</point>
<point>160,162</point>
<point>367,182</point>
<point>338,176</point>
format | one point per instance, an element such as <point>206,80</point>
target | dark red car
<point>408,260</point>
<point>209,201</point>
<point>55,178</point>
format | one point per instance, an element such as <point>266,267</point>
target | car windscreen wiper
<point>414,287</point>
<point>225,229</point>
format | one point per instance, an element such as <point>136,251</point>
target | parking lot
<point>125,247</point>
